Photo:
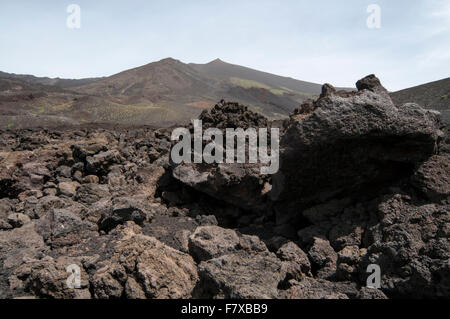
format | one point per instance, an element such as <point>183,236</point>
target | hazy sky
<point>319,41</point>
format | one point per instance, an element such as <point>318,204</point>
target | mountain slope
<point>57,82</point>
<point>434,95</point>
<point>240,75</point>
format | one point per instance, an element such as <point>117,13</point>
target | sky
<point>322,41</point>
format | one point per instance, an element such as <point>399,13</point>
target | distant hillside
<point>57,82</point>
<point>12,85</point>
<point>434,95</point>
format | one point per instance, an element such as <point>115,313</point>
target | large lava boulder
<point>351,142</point>
<point>239,184</point>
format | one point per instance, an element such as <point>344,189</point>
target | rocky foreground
<point>362,181</point>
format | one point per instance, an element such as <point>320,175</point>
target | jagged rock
<point>173,231</point>
<point>242,275</point>
<point>91,179</point>
<point>64,227</point>
<point>371,83</point>
<point>4,225</point>
<point>37,171</point>
<point>18,220</point>
<point>351,142</point>
<point>231,115</point>
<point>133,290</point>
<point>81,151</point>
<point>347,261</point>
<point>68,189</point>
<point>95,211</point>
<point>327,89</point>
<point>64,171</point>
<point>294,260</point>
<point>6,208</point>
<point>349,255</point>
<point>108,281</point>
<point>321,253</point>
<point>209,242</point>
<point>125,209</point>
<point>17,245</point>
<point>206,220</point>
<point>99,164</point>
<point>181,238</point>
<point>116,179</point>
<point>30,193</point>
<point>309,288</point>
<point>91,193</point>
<point>50,192</point>
<point>238,184</point>
<point>303,110</point>
<point>142,265</point>
<point>22,171</point>
<point>414,250</point>
<point>433,178</point>
<point>45,204</point>
<point>47,278</point>
<point>342,235</point>
<point>78,176</point>
<point>252,243</point>
<point>371,293</point>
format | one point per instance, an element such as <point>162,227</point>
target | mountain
<point>159,93</point>
<point>434,95</point>
<point>173,83</point>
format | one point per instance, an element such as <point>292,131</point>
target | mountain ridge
<point>57,82</point>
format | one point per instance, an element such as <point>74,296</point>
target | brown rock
<point>68,189</point>
<point>161,272</point>
<point>295,260</point>
<point>91,179</point>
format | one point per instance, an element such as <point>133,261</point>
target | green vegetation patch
<point>249,83</point>
<point>111,112</point>
<point>38,110</point>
